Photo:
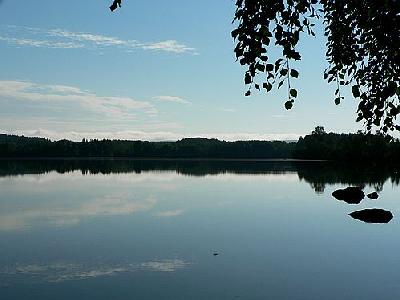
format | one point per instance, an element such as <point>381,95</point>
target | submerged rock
<point>350,195</point>
<point>373,195</point>
<point>374,215</point>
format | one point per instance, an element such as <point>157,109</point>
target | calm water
<point>149,230</point>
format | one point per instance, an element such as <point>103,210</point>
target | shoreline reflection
<point>318,174</point>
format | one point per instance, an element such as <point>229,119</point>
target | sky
<point>152,70</point>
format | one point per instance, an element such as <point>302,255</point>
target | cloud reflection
<point>60,272</point>
<point>169,213</point>
<point>72,212</point>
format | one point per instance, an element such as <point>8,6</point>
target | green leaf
<point>269,67</point>
<point>294,73</point>
<point>234,33</point>
<point>260,67</point>
<point>293,93</point>
<point>288,105</point>
<point>337,101</point>
<point>247,78</point>
<point>267,86</point>
<point>356,91</point>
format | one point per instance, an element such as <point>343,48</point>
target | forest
<point>318,145</point>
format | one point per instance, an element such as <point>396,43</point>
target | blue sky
<point>153,70</point>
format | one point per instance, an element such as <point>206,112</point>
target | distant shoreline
<point>318,147</point>
<point>164,159</point>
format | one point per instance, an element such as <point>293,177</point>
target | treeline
<point>16,146</point>
<point>357,147</point>
<point>318,145</point>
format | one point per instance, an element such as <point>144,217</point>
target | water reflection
<point>169,213</point>
<point>60,271</point>
<point>63,208</point>
<point>317,174</point>
<point>192,230</point>
<point>123,199</point>
<point>67,213</point>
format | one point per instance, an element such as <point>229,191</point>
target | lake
<point>194,230</point>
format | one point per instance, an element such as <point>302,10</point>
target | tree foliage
<point>16,146</point>
<point>320,145</point>
<point>363,42</point>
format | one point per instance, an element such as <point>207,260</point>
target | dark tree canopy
<point>360,148</point>
<point>363,49</point>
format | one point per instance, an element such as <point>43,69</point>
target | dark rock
<point>373,195</point>
<point>215,254</point>
<point>350,195</point>
<point>372,215</point>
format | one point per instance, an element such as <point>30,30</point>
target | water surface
<point>150,229</point>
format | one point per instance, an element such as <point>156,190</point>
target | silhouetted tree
<point>319,130</point>
<point>362,49</point>
<point>318,145</point>
<point>15,146</point>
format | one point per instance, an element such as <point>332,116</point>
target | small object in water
<point>215,254</point>
<point>374,215</point>
<point>373,195</point>
<point>350,195</point>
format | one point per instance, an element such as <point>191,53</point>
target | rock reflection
<point>373,195</point>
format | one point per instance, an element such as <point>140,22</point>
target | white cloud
<point>150,135</point>
<point>172,99</point>
<point>65,39</point>
<point>99,40</point>
<point>41,43</point>
<point>79,135</point>
<point>111,106</point>
<point>169,46</point>
<point>122,114</point>
<point>246,136</point>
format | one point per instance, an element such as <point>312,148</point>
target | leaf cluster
<point>363,49</point>
<point>266,22</point>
